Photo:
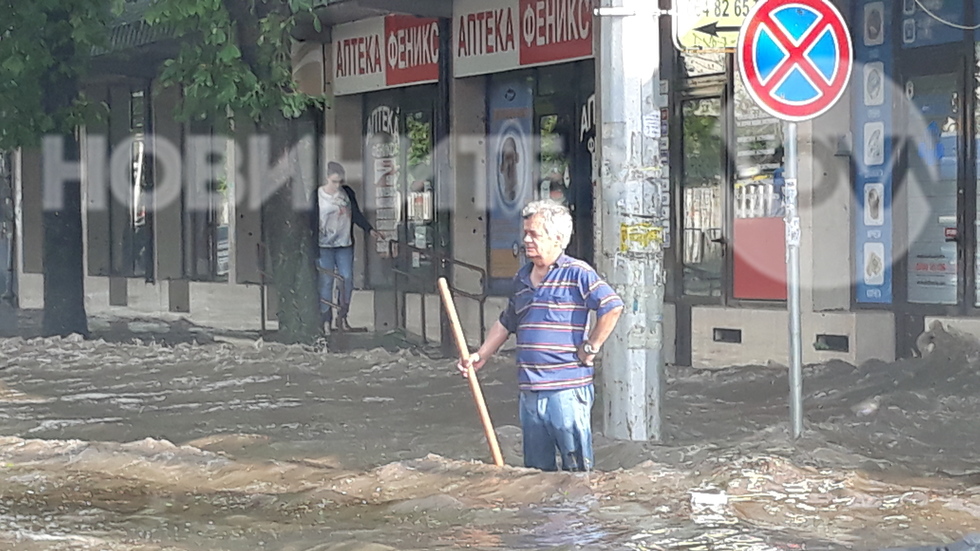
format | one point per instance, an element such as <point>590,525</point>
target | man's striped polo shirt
<point>550,323</point>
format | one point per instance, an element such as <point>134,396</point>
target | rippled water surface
<point>262,446</point>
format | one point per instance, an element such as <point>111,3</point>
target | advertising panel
<point>873,152</point>
<point>384,52</point>
<point>510,157</point>
<point>502,35</point>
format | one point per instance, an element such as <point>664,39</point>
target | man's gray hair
<point>555,217</point>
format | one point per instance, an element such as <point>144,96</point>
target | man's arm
<point>496,337</point>
<point>604,326</point>
<point>598,296</point>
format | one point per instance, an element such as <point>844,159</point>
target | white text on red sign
<point>414,46</point>
<point>554,21</point>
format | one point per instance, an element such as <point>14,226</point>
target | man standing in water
<point>549,311</point>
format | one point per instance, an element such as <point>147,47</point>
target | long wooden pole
<point>481,405</point>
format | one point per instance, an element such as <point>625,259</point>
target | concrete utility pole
<point>632,206</point>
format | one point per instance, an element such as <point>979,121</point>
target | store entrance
<point>400,187</point>
<point>937,276</point>
<point>564,125</point>
<point>541,144</point>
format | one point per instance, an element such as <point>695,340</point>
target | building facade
<point>450,118</point>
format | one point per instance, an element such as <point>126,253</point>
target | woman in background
<point>335,213</point>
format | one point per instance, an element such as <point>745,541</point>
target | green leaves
<point>45,48</point>
<point>116,7</point>
<point>14,65</point>
<point>229,52</point>
<point>233,56</point>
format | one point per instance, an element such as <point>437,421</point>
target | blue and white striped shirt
<point>550,323</point>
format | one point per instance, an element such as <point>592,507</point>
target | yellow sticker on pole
<point>639,238</point>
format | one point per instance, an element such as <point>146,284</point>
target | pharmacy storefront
<point>534,62</point>
<point>392,65</point>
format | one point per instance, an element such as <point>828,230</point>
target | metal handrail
<point>423,319</point>
<point>260,258</point>
<point>340,286</point>
<point>445,260</point>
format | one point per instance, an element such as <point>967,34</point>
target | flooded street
<point>252,445</point>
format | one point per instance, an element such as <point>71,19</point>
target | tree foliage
<point>234,56</point>
<point>45,47</point>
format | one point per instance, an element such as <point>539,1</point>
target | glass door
<point>934,221</point>
<point>563,123</point>
<point>553,126</point>
<point>420,211</point>
<point>400,185</point>
<point>703,237</point>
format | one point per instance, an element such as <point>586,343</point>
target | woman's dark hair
<point>335,168</point>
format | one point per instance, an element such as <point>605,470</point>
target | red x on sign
<point>795,57</point>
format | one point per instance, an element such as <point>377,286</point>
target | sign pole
<point>794,81</point>
<point>793,231</point>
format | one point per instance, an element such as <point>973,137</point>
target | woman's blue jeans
<point>558,420</point>
<point>339,260</point>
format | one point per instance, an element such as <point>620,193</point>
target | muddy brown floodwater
<point>250,446</point>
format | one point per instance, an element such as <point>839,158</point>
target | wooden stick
<point>464,353</point>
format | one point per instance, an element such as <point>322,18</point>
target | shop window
<point>701,181</point>
<point>758,234</point>
<point>419,230</point>
<point>932,184</point>
<point>540,145</point>
<point>130,217</point>
<point>696,64</point>
<point>555,177</point>
<point>207,215</point>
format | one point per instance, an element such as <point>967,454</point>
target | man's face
<point>541,247</point>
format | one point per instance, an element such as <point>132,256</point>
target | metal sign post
<point>793,234</point>
<point>795,57</point>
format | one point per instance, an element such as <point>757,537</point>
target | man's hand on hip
<point>585,357</point>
